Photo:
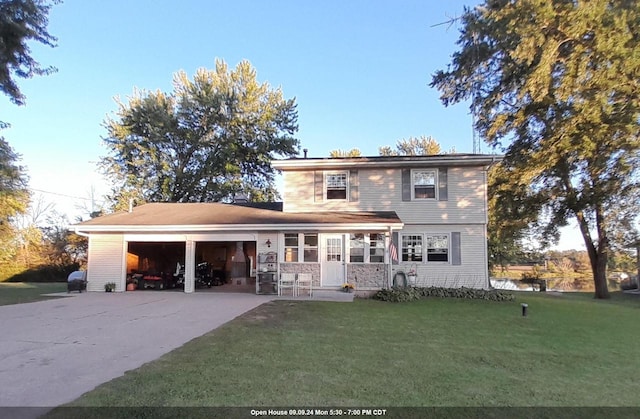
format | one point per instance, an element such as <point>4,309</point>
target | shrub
<point>47,273</point>
<point>398,295</point>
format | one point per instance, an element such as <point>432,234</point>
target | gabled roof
<point>218,216</point>
<point>457,159</point>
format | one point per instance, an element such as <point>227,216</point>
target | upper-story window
<point>336,185</point>
<point>423,184</point>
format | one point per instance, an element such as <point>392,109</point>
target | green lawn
<point>570,351</point>
<point>23,292</point>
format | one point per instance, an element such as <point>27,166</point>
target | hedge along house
<point>338,221</point>
<point>156,237</point>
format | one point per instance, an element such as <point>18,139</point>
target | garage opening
<point>220,266</point>
<point>153,265</point>
<point>227,266</point>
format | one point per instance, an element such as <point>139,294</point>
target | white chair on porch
<point>304,281</point>
<point>287,281</point>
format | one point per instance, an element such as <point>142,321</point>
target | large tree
<point>354,152</point>
<point>555,83</point>
<point>213,137</point>
<point>421,146</point>
<point>22,21</point>
<point>14,199</point>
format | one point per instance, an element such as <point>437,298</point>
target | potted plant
<point>110,287</point>
<point>347,287</point>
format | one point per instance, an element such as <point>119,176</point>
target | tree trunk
<point>600,276</point>
<point>597,257</point>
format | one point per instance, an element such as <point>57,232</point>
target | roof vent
<point>305,151</point>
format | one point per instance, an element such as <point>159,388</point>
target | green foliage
<point>213,137</point>
<point>532,276</point>
<point>508,221</point>
<point>422,146</point>
<point>403,294</point>
<point>555,84</point>
<point>14,192</point>
<point>45,273</point>
<point>22,21</point>
<point>14,200</point>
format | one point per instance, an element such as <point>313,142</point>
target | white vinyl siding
<point>381,190</point>
<point>106,262</point>
<point>470,270</point>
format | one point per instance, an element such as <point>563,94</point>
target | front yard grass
<point>28,292</point>
<point>568,351</point>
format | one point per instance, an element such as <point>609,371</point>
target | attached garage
<point>210,245</point>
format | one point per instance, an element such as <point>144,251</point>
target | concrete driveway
<point>51,352</point>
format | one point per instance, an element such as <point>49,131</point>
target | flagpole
<point>388,241</point>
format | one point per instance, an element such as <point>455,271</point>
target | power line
<point>63,195</point>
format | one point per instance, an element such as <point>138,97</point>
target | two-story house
<point>368,221</point>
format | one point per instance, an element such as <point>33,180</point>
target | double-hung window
<point>412,248</point>
<point>376,247</point>
<point>437,248</point>
<point>300,247</point>
<point>336,185</point>
<point>291,247</point>
<point>356,248</point>
<point>310,247</point>
<point>423,184</point>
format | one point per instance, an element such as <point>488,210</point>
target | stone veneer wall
<point>297,268</point>
<point>367,275</point>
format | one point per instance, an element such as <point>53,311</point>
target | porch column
<point>190,266</point>
<point>387,257</point>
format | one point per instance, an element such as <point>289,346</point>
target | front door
<point>332,260</point>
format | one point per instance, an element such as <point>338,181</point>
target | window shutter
<point>443,190</point>
<point>456,256</point>
<point>354,183</point>
<point>395,238</point>
<point>318,185</point>
<point>406,184</point>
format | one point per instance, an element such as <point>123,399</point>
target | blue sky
<point>359,70</point>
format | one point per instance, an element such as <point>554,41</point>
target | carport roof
<point>207,216</point>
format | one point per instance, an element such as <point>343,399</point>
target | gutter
<point>232,227</point>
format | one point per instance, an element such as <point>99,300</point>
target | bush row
<point>402,294</point>
<point>48,273</point>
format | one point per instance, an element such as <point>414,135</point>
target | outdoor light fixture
<point>268,243</point>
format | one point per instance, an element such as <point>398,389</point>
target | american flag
<point>393,251</point>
